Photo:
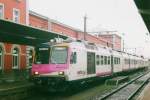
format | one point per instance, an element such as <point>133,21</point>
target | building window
<point>1,11</point>
<point>1,57</point>
<point>16,15</point>
<point>30,57</point>
<point>15,58</point>
<point>18,0</point>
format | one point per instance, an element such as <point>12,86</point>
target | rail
<point>127,85</point>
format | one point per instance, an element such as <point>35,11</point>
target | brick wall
<point>113,38</point>
<point>9,5</point>
<point>38,22</point>
<point>8,9</point>
<point>64,30</point>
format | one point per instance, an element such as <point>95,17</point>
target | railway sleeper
<point>117,80</point>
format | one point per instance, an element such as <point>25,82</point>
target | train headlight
<point>36,73</point>
<point>61,73</point>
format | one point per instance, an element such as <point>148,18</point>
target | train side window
<point>117,60</point>
<point>101,60</point>
<point>114,60</point>
<point>135,61</point>
<point>109,60</point>
<point>105,60</point>
<point>97,59</point>
<point>131,61</point>
<point>73,58</point>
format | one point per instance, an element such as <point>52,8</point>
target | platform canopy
<point>14,33</point>
<point>144,9</point>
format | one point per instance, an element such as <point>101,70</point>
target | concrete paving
<point>145,95</point>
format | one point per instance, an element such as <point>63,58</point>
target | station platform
<point>15,90</point>
<point>13,85</point>
<point>145,94</point>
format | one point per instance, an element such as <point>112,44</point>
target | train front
<point>50,67</point>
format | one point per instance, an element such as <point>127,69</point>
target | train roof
<point>90,46</point>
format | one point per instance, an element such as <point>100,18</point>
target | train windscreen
<point>59,55</point>
<point>42,56</point>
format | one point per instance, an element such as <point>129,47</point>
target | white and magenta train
<point>77,62</point>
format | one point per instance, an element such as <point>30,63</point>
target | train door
<point>90,63</point>
<point>112,64</point>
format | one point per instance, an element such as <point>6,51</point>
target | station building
<point>112,38</point>
<point>14,57</point>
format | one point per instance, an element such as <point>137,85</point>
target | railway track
<point>128,90</point>
<point>92,92</point>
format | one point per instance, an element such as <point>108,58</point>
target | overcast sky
<point>120,15</point>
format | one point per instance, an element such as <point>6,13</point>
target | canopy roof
<point>144,10</point>
<point>11,32</point>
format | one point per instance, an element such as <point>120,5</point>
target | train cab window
<point>73,58</point>
<point>108,60</point>
<point>97,60</point>
<point>105,60</point>
<point>42,55</point>
<point>59,55</point>
<point>102,58</point>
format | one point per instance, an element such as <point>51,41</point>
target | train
<point>71,63</point>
